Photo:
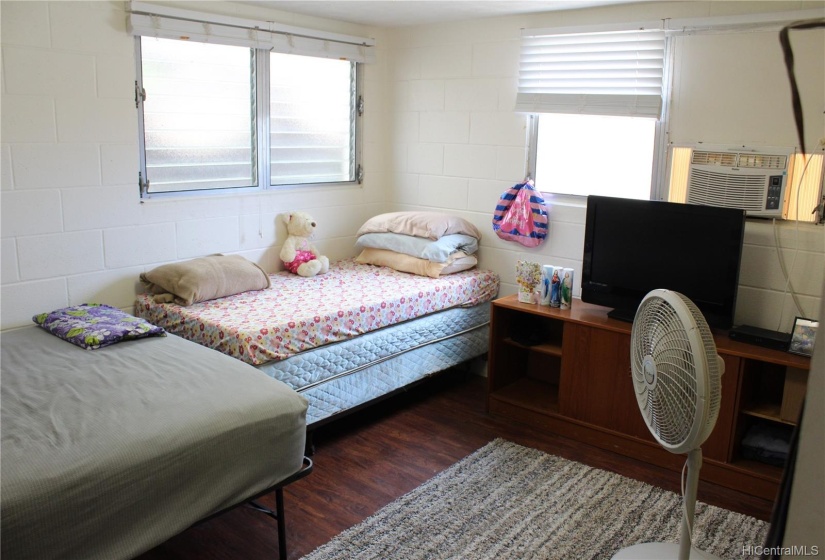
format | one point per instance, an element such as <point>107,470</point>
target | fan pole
<point>694,463</point>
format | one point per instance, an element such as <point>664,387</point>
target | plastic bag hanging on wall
<point>521,216</point>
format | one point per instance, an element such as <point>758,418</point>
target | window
<point>197,130</point>
<point>596,100</point>
<point>594,154</point>
<point>228,103</point>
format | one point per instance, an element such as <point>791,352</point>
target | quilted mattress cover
<point>297,314</point>
<point>345,374</point>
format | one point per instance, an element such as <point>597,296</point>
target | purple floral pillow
<point>94,325</point>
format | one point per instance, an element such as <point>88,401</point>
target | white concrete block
<point>133,246</point>
<point>27,119</point>
<point>257,230</point>
<point>511,163</point>
<point>6,175</point>
<point>484,194</point>
<point>198,238</point>
<point>445,126</point>
<point>426,158</point>
<point>760,268</point>
<point>62,254</point>
<point>424,95</point>
<point>23,301</point>
<point>447,193</point>
<point>8,261</point>
<point>49,166</point>
<point>96,120</point>
<point>406,64</point>
<point>100,207</point>
<point>500,59</point>
<point>34,71</point>
<point>25,23</point>
<point>117,288</point>
<point>30,212</point>
<point>565,241</point>
<point>119,164</point>
<point>470,161</point>
<point>115,76</point>
<point>471,94</point>
<point>96,27</point>
<point>403,188</point>
<point>498,129</point>
<point>447,61</point>
<point>405,127</point>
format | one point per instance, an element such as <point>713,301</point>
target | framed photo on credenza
<point>802,336</point>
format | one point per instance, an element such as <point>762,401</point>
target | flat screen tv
<point>634,246</point>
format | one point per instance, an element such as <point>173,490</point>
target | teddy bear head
<point>299,224</point>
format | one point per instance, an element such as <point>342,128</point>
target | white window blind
<point>151,20</point>
<point>617,73</point>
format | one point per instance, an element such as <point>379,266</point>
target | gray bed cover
<point>107,453</point>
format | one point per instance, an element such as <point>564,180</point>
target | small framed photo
<point>803,335</point>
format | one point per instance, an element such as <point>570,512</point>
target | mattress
<point>297,314</point>
<point>107,453</point>
<point>346,374</point>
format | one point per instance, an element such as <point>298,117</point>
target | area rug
<point>506,501</point>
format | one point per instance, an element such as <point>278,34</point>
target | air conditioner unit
<point>739,178</point>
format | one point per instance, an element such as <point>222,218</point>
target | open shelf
<point>767,411</point>
<point>532,394</point>
<point>549,348</point>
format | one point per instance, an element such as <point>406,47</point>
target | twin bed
<point>345,338</point>
<point>107,453</point>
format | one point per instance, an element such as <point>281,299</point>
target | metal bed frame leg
<point>278,515</point>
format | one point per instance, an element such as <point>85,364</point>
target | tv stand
<point>626,315</point>
<point>575,382</point>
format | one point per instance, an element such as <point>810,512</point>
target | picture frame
<point>803,336</point>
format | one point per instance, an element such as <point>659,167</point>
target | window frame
<point>260,73</point>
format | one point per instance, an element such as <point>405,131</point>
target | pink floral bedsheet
<point>297,314</point>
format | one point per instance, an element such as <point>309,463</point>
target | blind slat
<point>615,73</point>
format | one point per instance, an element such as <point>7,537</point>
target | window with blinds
<point>595,97</point>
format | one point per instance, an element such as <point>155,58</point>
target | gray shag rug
<point>506,501</point>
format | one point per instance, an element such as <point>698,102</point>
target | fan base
<point>659,551</point>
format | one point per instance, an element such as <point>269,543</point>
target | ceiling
<point>400,13</point>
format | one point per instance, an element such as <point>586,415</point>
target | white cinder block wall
<point>73,227</point>
<point>439,133</point>
<point>457,144</point>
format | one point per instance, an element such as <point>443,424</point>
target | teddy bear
<point>298,254</point>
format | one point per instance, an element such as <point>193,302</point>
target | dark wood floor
<point>370,458</point>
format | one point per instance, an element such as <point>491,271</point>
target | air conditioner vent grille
<point>714,158</point>
<point>730,191</point>
<point>763,161</point>
<point>736,159</point>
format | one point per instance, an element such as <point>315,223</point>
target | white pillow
<point>420,247</point>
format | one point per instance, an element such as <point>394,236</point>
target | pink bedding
<point>296,314</point>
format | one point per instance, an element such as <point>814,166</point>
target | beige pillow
<point>457,262</point>
<point>431,225</point>
<point>203,279</point>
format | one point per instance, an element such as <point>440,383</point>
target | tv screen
<point>634,246</point>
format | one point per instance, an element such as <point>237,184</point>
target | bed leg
<point>279,509</point>
<point>309,446</point>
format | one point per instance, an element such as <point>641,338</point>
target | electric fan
<point>677,378</point>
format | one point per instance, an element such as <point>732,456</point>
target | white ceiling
<point>399,13</point>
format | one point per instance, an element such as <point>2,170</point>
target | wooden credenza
<point>576,382</point>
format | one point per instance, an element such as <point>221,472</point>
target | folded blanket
<point>203,279</point>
